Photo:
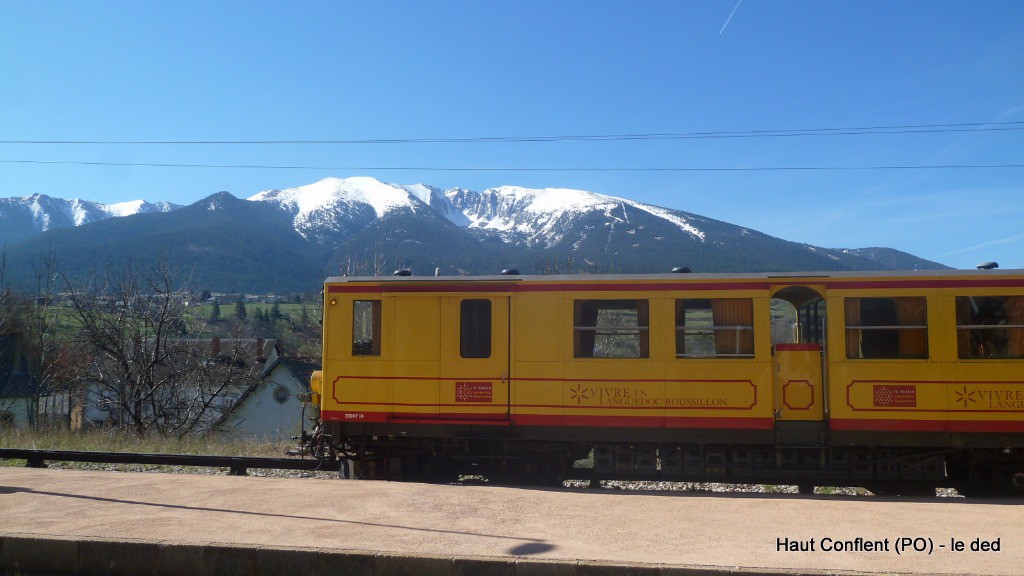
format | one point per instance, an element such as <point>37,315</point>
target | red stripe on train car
<point>373,289</point>
<point>644,286</point>
<point>645,422</point>
<point>468,419</point>
<point>984,426</point>
<point>450,288</point>
<point>801,347</point>
<point>696,285</point>
<point>354,416</point>
<point>923,283</point>
<point>872,425</point>
<point>894,425</point>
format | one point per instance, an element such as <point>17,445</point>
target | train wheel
<point>352,469</point>
<point>345,469</point>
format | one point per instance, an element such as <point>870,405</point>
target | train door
<point>475,357</point>
<point>798,333</point>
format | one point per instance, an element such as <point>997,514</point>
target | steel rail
<point>236,465</point>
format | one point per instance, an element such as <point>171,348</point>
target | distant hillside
<point>23,217</point>
<point>226,243</point>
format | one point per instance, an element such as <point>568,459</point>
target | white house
<point>270,409</point>
<point>252,356</point>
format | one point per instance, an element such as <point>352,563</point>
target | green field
<point>292,310</point>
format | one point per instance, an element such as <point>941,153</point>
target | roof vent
<point>988,265</point>
<point>681,270</point>
<point>403,272</point>
<point>510,272</point>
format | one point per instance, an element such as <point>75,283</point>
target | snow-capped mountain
<point>543,217</point>
<point>290,239</point>
<point>23,216</point>
<point>596,227</point>
<point>531,217</point>
<point>340,206</point>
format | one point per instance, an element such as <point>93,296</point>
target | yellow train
<point>891,381</point>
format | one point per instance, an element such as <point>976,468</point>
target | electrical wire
<point>520,169</point>
<point>843,131</point>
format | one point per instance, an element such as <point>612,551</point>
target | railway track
<point>236,465</point>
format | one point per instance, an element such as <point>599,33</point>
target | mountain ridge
<point>288,239</point>
<point>23,216</point>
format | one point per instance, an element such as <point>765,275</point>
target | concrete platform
<point>76,522</point>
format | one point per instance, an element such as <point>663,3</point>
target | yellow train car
<point>886,380</point>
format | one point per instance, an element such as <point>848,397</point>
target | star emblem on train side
<point>964,396</point>
<point>579,393</point>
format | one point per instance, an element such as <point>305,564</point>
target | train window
<point>990,326</point>
<point>887,327</point>
<point>611,329</point>
<point>715,328</point>
<point>366,327</point>
<point>475,338</point>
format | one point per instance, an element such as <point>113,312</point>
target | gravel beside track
<point>623,485</point>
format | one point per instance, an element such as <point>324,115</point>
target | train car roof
<point>577,278</point>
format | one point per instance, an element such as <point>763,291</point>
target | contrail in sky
<point>729,19</point>
<point>984,244</point>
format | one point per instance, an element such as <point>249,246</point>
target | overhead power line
<point>546,169</point>
<point>844,131</point>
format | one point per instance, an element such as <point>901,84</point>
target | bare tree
<point>379,262</point>
<point>140,368</point>
<point>304,335</point>
<point>52,356</point>
<point>8,305</point>
<point>10,308</point>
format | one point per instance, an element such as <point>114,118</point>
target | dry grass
<point>108,441</point>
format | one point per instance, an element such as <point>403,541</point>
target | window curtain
<point>1015,316</point>
<point>729,313</point>
<point>680,328</point>
<point>643,321</point>
<point>852,321</point>
<point>376,306</point>
<point>912,312</point>
<point>963,317</point>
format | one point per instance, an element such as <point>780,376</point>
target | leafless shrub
<point>139,367</point>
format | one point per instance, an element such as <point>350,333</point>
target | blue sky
<point>216,71</point>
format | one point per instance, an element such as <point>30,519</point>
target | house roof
<point>301,368</point>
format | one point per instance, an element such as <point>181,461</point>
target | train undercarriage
<point>888,470</point>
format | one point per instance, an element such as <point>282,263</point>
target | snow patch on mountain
<point>329,192</point>
<point>674,218</point>
<point>40,217</point>
<point>541,216</point>
<point>125,208</point>
<point>41,213</point>
<point>340,205</point>
<point>423,192</point>
<point>438,201</point>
